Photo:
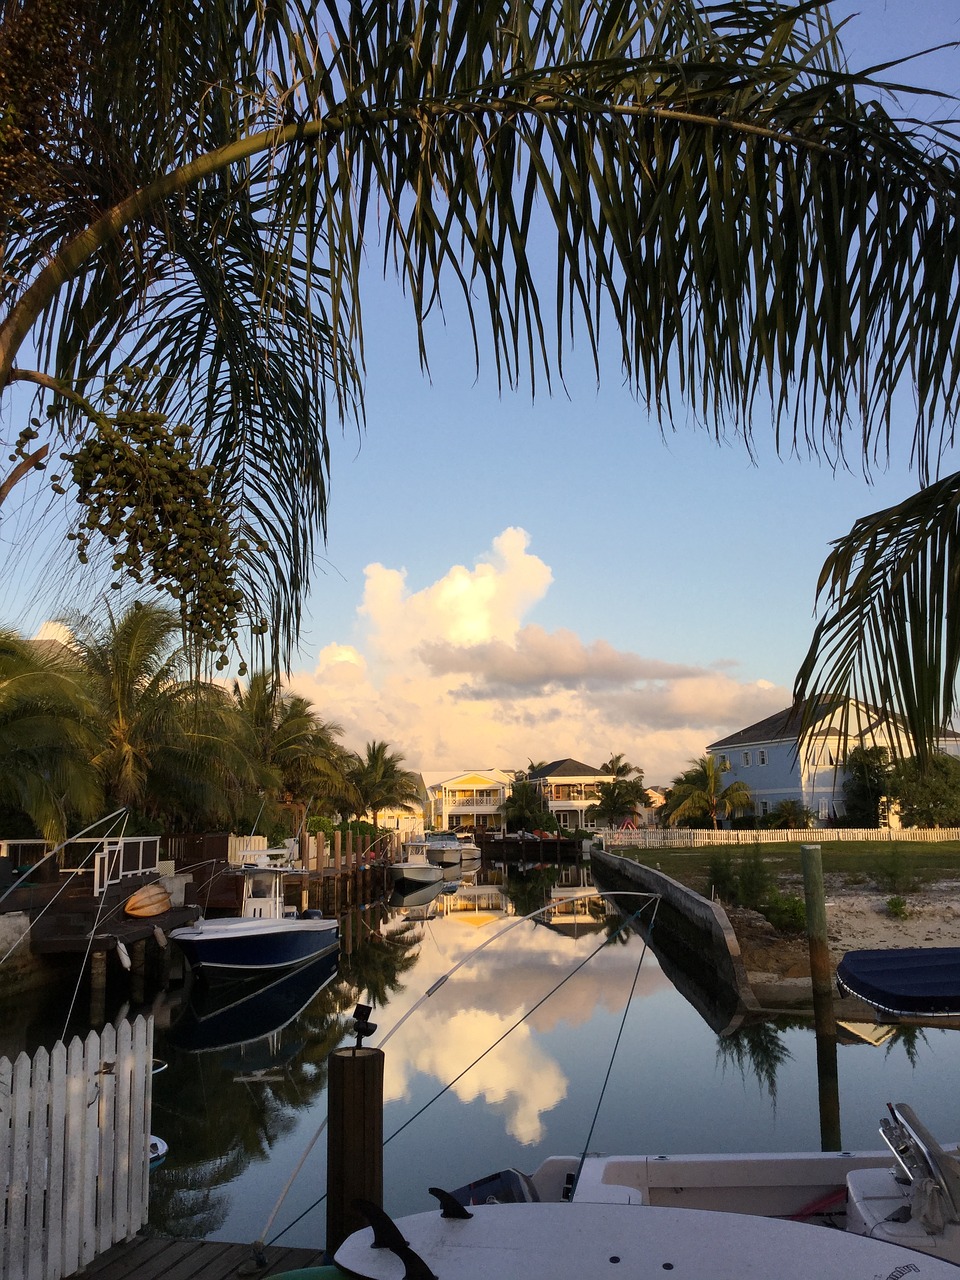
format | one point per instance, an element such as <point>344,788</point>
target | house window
<point>761,757</point>
<point>745,759</point>
<point>764,806</point>
<point>724,762</point>
<point>823,811</point>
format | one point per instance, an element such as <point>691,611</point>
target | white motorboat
<point>267,935</point>
<point>447,849</point>
<point>729,1216</point>
<point>407,876</point>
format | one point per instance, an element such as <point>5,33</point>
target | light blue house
<point>768,757</point>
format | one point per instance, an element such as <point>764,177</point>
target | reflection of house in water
<point>575,911</point>
<point>476,898</point>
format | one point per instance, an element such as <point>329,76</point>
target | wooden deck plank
<point>156,1257</point>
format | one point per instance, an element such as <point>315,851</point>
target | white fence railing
<point>74,1150</point>
<point>690,838</point>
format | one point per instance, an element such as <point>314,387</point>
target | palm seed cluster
<point>144,494</point>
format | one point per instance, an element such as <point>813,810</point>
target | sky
<point>509,580</point>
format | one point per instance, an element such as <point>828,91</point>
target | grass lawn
<point>889,866</point>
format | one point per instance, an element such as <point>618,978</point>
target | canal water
<point>546,1038</point>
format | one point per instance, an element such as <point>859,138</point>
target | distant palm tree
<point>46,737</point>
<point>172,748</point>
<point>525,808</point>
<point>699,792</point>
<point>617,801</point>
<point>382,783</point>
<point>791,814</point>
<point>298,753</point>
<point>620,767</point>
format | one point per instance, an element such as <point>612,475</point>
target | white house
<point>569,788</point>
<point>769,758</point>
<point>472,800</point>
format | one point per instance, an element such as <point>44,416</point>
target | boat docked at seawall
<point>408,876</point>
<point>726,1216</point>
<point>906,981</point>
<point>267,936</point>
<point>442,848</point>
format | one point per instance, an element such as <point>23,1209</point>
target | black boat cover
<point>907,980</point>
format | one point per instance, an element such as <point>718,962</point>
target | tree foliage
<point>698,795</point>
<point>929,794</point>
<point>716,187</point>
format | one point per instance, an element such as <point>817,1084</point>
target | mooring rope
<point>616,1046</point>
<point>259,1244</point>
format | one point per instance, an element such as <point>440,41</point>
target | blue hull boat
<point>909,981</point>
<point>230,947</point>
<point>267,937</point>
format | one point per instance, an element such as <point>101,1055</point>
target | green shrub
<point>787,912</point>
<point>897,907</point>
<point>755,881</point>
<point>896,873</point>
<point>722,877</point>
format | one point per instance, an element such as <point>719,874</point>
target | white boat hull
<point>587,1241</point>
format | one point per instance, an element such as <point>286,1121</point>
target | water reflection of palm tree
<point>909,1038</point>
<point>379,961</point>
<point>223,1110</point>
<point>530,891</point>
<point>759,1046</point>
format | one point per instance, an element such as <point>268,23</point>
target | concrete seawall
<point>691,932</point>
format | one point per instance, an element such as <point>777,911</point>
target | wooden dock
<point>149,1257</point>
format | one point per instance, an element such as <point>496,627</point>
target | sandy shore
<point>858,918</point>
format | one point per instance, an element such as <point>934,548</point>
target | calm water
<point>552,1003</point>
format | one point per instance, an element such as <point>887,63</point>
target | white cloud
<point>454,677</point>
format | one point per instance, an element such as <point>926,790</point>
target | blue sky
<point>508,580</point>
<point>674,553</point>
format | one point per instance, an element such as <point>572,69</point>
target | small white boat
<point>406,876</point>
<point>267,936</point>
<point>726,1216</point>
<point>447,849</point>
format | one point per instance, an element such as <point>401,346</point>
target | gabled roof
<point>784,726</point>
<point>567,769</point>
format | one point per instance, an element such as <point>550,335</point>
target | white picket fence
<point>690,838</point>
<point>74,1150</point>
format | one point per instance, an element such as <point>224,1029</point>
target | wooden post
<point>354,1139</point>
<point>98,988</point>
<point>337,851</point>
<point>138,970</point>
<point>820,971</point>
<point>321,850</point>
<point>821,975</point>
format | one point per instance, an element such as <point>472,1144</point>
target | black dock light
<point>361,1025</point>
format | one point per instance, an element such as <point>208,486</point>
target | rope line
<point>650,898</point>
<point>616,1046</point>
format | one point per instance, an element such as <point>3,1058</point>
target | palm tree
<point>791,814</point>
<point>46,737</point>
<point>382,783</point>
<point>171,747</point>
<point>301,759</point>
<point>699,793</point>
<point>199,187</point>
<point>620,767</point>
<point>618,801</point>
<point>525,808</point>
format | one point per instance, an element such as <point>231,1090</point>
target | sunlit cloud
<point>455,676</point>
<point>477,1035</point>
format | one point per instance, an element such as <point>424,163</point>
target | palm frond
<point>766,242</point>
<point>890,634</point>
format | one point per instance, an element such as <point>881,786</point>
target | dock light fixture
<point>360,1023</point>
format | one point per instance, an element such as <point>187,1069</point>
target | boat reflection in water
<point>254,1008</point>
<point>419,903</point>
